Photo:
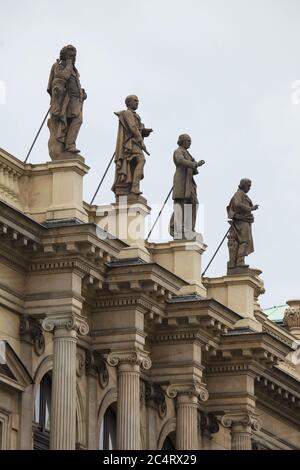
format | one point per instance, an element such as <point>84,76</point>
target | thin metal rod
<point>203,274</point>
<point>105,173</point>
<point>38,133</point>
<point>166,200</point>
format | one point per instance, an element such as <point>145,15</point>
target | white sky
<point>220,70</point>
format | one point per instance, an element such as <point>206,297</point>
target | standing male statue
<point>240,241</point>
<point>67,98</point>
<point>183,220</point>
<point>130,148</point>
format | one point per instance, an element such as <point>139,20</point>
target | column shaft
<point>187,431</point>
<point>63,399</point>
<point>240,439</point>
<point>128,413</point>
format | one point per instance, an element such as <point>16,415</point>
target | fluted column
<point>241,425</point>
<point>128,405</point>
<point>187,396</point>
<point>63,397</point>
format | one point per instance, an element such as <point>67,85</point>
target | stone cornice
<point>16,220</point>
<point>190,389</point>
<point>139,358</point>
<point>69,322</point>
<point>259,346</point>
<point>150,275</point>
<point>282,336</point>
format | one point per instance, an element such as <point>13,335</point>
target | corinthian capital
<point>192,390</point>
<point>244,419</point>
<point>133,358</point>
<point>69,322</point>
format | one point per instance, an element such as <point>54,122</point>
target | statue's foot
<point>72,149</point>
<point>135,190</point>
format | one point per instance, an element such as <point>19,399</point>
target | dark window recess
<point>169,442</point>
<point>41,426</point>
<point>108,431</point>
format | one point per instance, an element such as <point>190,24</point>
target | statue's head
<point>68,52</point>
<point>132,102</point>
<point>184,140</point>
<point>245,185</point>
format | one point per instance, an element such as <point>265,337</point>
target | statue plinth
<point>53,190</point>
<point>183,258</point>
<point>125,220</point>
<point>239,292</point>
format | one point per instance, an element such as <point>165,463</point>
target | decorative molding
<point>192,390</point>
<point>227,368</point>
<point>69,322</point>
<point>244,419</point>
<point>139,358</point>
<point>32,333</point>
<point>59,264</point>
<point>278,335</point>
<point>179,335</point>
<point>80,362</point>
<point>278,391</point>
<point>123,302</point>
<point>154,395</point>
<point>208,423</point>
<point>95,365</point>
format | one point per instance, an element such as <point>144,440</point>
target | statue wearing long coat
<point>184,194</point>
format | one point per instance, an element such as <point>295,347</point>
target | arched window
<point>108,430</point>
<point>42,407</point>
<point>169,443</point>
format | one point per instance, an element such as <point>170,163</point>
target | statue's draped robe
<point>66,98</point>
<point>240,214</point>
<point>128,147</point>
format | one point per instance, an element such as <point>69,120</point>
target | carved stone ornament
<point>292,314</point>
<point>31,332</point>
<point>155,395</point>
<point>191,390</point>
<point>139,358</point>
<point>72,322</point>
<point>95,365</point>
<point>244,419</point>
<point>79,364</point>
<point>208,423</point>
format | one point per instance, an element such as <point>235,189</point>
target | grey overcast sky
<point>222,70</point>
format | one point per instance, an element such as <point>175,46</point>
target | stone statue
<point>130,148</point>
<point>240,241</point>
<point>183,220</point>
<point>67,98</point>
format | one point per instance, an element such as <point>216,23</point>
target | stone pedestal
<point>238,292</point>
<point>125,220</point>
<point>128,411</point>
<point>63,397</point>
<point>183,258</point>
<point>53,190</point>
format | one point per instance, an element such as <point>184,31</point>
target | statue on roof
<point>183,220</point>
<point>240,240</point>
<point>130,150</point>
<point>66,104</point>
